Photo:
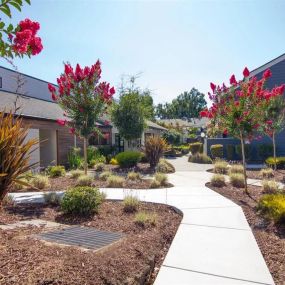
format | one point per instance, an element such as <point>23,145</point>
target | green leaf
<point>16,5</point>
<point>10,28</point>
<point>2,25</point>
<point>28,1</point>
<point>6,10</point>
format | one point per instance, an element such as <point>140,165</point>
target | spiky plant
<point>15,152</point>
<point>154,149</point>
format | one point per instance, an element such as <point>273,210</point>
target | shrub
<point>14,151</point>
<point>154,149</point>
<point>161,178</point>
<point>143,219</point>
<point>272,206</point>
<point>266,173</point>
<point>18,185</point>
<point>195,148</point>
<point>164,166</point>
<point>94,156</point>
<point>264,151</point>
<point>81,200</point>
<point>74,158</point>
<point>115,181</point>
<point>134,176</point>
<point>237,180</point>
<point>200,158</point>
<point>280,162</point>
<point>40,182</point>
<point>131,204</point>
<point>172,136</point>
<point>218,180</point>
<point>56,171</point>
<point>99,167</point>
<point>52,198</point>
<point>114,161</point>
<point>230,151</point>
<point>84,180</point>
<point>236,168</point>
<point>220,166</point>
<point>270,186</point>
<point>217,150</point>
<point>76,173</point>
<point>155,184</point>
<point>128,158</point>
<point>104,175</point>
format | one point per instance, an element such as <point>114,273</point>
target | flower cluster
<point>240,108</point>
<point>26,40</point>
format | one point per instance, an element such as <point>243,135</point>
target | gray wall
<point>32,87</point>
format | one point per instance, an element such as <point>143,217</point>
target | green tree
<point>187,105</point>
<point>128,116</point>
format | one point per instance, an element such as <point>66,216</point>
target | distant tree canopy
<point>187,105</point>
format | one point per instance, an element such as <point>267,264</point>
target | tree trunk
<point>244,165</point>
<point>85,156</point>
<point>274,150</point>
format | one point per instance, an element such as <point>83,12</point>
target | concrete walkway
<point>214,243</point>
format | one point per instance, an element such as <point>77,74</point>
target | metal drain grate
<point>81,236</point>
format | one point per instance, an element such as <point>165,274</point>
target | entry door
<point>119,143</point>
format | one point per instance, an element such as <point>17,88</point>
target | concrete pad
<point>228,217</point>
<point>34,222</point>
<point>174,276</point>
<point>218,251</point>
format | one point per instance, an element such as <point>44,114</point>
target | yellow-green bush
<point>130,203</point>
<point>104,175</point>
<point>76,173</point>
<point>217,150</point>
<point>196,148</point>
<point>143,219</point>
<point>114,161</point>
<point>266,173</point>
<point>161,178</point>
<point>115,181</point>
<point>200,158</point>
<point>155,184</point>
<point>56,171</point>
<point>18,185</point>
<point>236,168</point>
<point>220,166</point>
<point>164,166</point>
<point>218,180</point>
<point>100,166</point>
<point>128,158</point>
<point>134,176</point>
<point>270,186</point>
<point>272,206</point>
<point>280,162</point>
<point>84,180</point>
<point>40,182</point>
<point>52,198</point>
<point>237,180</point>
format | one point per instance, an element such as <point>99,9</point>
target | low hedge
<point>217,151</point>
<point>128,158</point>
<point>280,162</point>
<point>196,147</point>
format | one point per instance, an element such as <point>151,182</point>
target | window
<point>103,139</point>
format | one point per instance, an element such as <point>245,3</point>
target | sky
<point>173,45</point>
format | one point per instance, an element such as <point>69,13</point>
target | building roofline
<point>27,75</point>
<point>267,65</point>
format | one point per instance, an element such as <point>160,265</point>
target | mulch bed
<point>270,237</point>
<point>24,260</point>
<point>279,175</point>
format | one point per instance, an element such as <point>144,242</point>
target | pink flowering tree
<point>83,99</point>
<point>19,40</point>
<point>274,115</point>
<point>237,110</point>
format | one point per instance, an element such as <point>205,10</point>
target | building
<point>29,97</point>
<point>277,67</point>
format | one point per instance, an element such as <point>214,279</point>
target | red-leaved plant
<point>83,99</point>
<point>239,110</point>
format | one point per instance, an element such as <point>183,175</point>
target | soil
<point>63,183</point>
<point>279,175</point>
<point>135,259</point>
<point>270,237</point>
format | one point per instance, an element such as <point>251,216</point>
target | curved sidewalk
<point>214,243</point>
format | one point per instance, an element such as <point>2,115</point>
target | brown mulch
<point>25,260</point>
<point>63,183</point>
<point>270,237</point>
<point>279,175</point>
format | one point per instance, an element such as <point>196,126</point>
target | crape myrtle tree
<point>239,109</point>
<point>83,99</point>
<point>274,115</point>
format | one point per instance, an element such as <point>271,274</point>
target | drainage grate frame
<point>86,237</point>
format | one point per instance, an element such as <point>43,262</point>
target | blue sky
<point>175,45</point>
